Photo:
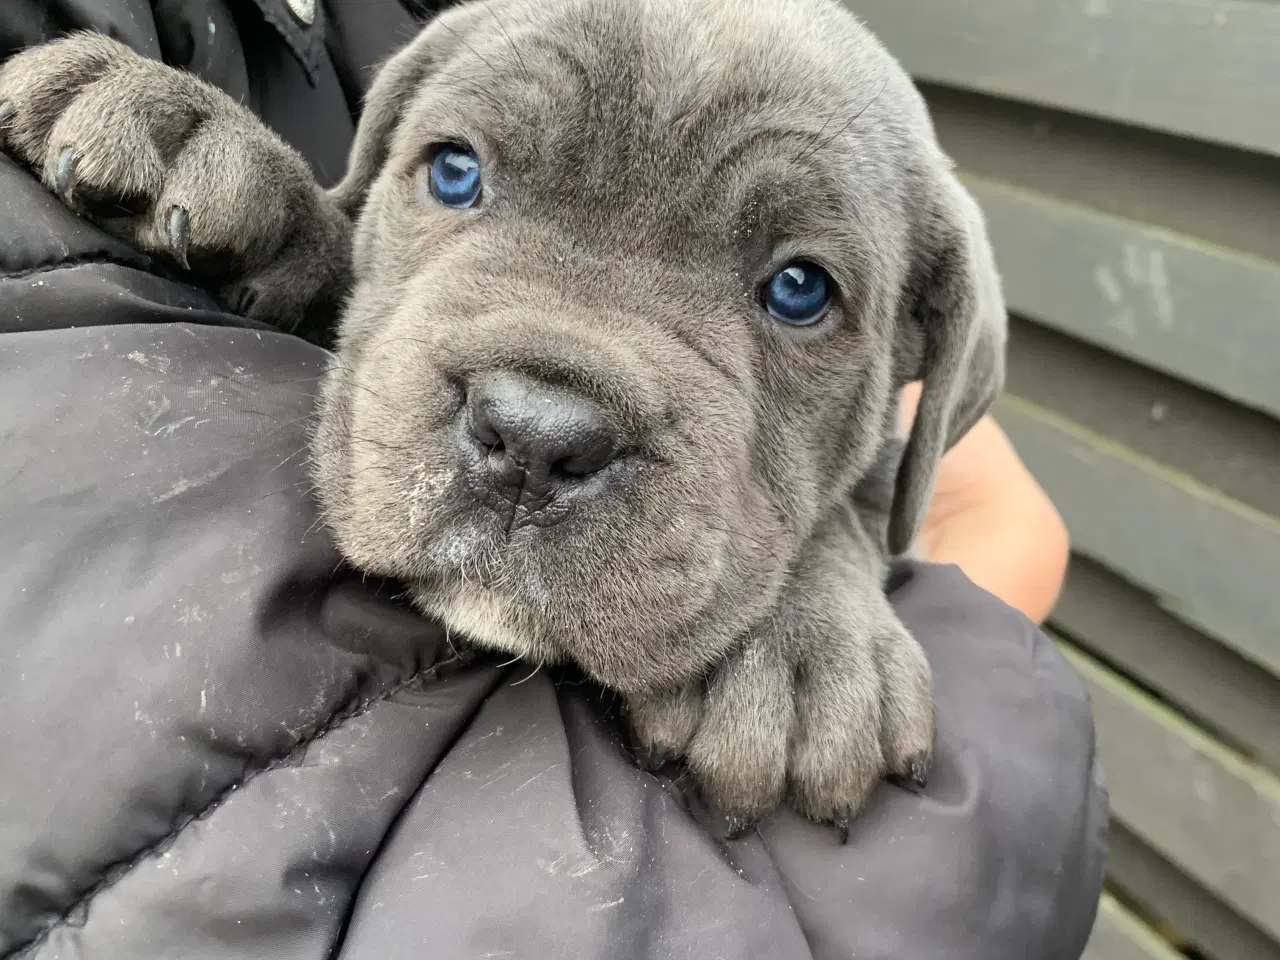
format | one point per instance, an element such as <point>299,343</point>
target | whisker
<point>529,677</point>
<point>515,51</point>
<point>821,144</point>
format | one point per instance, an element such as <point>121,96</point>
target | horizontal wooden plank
<point>1203,807</point>
<point>1223,196</point>
<point>1224,445</point>
<point>1119,935</point>
<point>1162,890</point>
<point>1235,698</point>
<point>1202,313</point>
<point>1209,560</point>
<point>1201,68</point>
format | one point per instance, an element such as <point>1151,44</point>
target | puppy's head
<point>637,283</point>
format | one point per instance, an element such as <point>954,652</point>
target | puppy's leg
<point>176,168</point>
<point>739,754</point>
<point>826,697</point>
<point>864,706</point>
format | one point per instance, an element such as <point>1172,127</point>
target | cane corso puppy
<point>625,293</point>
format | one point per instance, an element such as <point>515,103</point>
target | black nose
<point>551,435</point>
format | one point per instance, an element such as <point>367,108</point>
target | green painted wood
<point>1214,815</point>
<point>1201,68</point>
<point>1201,313</point>
<point>1222,444</point>
<point>1235,699</point>
<point>1220,195</point>
<point>1210,560</point>
<point>1119,935</point>
<point>1162,890</point>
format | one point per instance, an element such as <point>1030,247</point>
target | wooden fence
<point>1127,154</point>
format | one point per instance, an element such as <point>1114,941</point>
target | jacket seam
<point>307,51</point>
<point>80,260</point>
<point>115,872</point>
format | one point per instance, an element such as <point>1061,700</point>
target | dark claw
<point>179,229</point>
<point>918,770</point>
<point>7,111</point>
<point>245,301</point>
<point>841,821</point>
<point>658,757</point>
<point>739,827</point>
<point>917,776</point>
<point>64,179</point>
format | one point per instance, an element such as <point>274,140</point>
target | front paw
<point>861,716</point>
<point>173,166</point>
<point>816,721</point>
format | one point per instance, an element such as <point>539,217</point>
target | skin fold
<point>566,412</point>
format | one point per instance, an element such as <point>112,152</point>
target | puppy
<point>627,290</point>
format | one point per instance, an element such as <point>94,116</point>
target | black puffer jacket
<point>218,743</point>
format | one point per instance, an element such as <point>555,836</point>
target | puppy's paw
<point>863,713</point>
<point>806,716</point>
<point>173,166</point>
<point>663,725</point>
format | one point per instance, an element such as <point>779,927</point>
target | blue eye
<point>455,176</point>
<point>798,294</point>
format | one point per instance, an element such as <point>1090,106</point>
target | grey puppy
<point>627,290</point>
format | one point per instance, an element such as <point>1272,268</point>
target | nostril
<point>485,431</point>
<point>569,469</point>
<point>582,463</point>
<point>487,437</point>
<point>562,471</point>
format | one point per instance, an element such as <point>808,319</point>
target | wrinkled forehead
<point>744,103</point>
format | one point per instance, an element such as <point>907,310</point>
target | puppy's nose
<point>552,435</point>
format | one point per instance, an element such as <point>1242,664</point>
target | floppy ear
<point>954,340</point>
<point>391,93</point>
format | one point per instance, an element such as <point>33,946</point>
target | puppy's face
<point>630,280</point>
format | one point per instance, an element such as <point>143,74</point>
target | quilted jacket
<point>216,741</point>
